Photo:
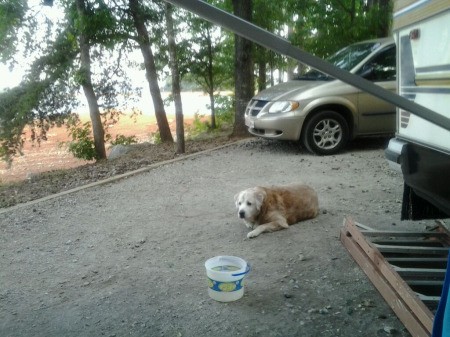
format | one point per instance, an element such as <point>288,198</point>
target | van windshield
<point>345,59</point>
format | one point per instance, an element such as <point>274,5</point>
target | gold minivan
<point>324,113</point>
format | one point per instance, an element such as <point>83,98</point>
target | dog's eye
<point>239,203</point>
<point>249,203</point>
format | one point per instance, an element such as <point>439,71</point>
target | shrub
<point>224,113</point>
<point>155,137</point>
<point>82,145</point>
<point>224,110</point>
<point>198,125</point>
<point>124,140</point>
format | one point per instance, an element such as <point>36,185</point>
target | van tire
<point>325,133</point>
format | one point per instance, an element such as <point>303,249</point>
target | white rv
<point>421,148</point>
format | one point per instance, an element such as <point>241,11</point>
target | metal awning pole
<point>283,46</point>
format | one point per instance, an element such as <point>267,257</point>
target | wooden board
<point>410,307</point>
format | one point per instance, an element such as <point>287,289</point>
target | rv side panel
<point>421,148</point>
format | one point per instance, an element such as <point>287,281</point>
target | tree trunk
<point>353,11</point>
<point>384,26</point>
<point>176,90</point>
<point>290,66</point>
<point>243,69</point>
<point>272,68</point>
<point>212,102</point>
<point>262,68</point>
<point>384,9</point>
<point>210,79</point>
<point>150,70</point>
<point>280,74</point>
<point>88,89</point>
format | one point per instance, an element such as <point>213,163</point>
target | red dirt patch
<point>52,155</point>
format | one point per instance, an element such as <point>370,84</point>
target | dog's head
<point>248,202</point>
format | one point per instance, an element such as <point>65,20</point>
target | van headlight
<point>283,106</point>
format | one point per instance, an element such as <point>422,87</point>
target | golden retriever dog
<point>269,209</point>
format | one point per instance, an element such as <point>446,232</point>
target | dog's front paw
<point>248,225</point>
<point>253,234</point>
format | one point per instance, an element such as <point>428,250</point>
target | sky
<point>9,78</point>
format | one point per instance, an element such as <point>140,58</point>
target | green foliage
<point>38,104</point>
<point>323,27</point>
<point>224,113</point>
<point>11,18</point>
<point>16,111</point>
<point>83,148</point>
<point>82,144</point>
<point>208,57</point>
<point>320,27</point>
<point>205,54</point>
<point>124,140</point>
<point>42,100</point>
<point>198,125</point>
<point>99,24</point>
<point>155,137</point>
<point>79,77</point>
<point>224,109</point>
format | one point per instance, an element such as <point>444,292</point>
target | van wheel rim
<point>327,134</point>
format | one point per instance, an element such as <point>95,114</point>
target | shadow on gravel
<point>294,148</point>
<point>368,143</point>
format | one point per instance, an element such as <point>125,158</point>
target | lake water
<point>193,102</point>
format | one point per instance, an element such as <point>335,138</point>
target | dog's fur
<point>269,209</point>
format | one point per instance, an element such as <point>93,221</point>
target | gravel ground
<point>126,257</point>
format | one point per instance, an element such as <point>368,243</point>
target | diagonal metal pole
<point>283,46</point>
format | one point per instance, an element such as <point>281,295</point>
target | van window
<point>346,59</point>
<point>350,56</point>
<point>381,68</point>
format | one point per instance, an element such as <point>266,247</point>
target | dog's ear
<point>259,196</point>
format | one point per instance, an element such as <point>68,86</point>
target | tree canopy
<point>94,43</point>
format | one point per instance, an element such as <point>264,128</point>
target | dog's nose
<point>242,214</point>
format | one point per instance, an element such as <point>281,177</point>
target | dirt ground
<point>49,168</point>
<point>126,257</point>
<point>52,154</point>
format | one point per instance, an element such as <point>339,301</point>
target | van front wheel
<point>325,133</point>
